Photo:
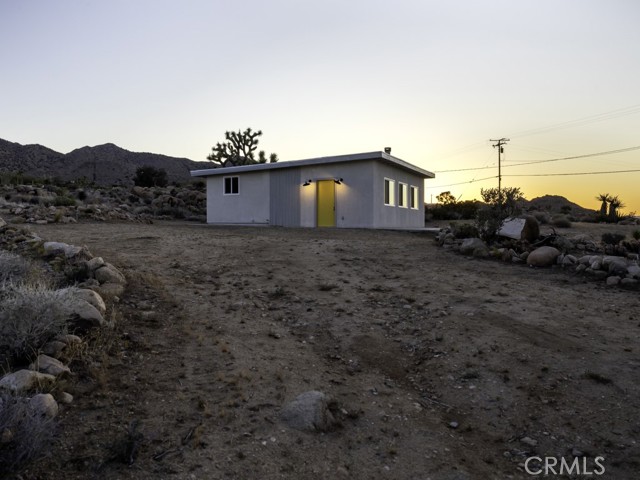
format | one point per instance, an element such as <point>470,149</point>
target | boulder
<point>2,222</point>
<point>615,265</point>
<point>94,263</point>
<point>85,315</point>
<point>109,290</point>
<point>543,257</point>
<point>25,380</point>
<point>47,364</point>
<point>524,228</point>
<point>309,411</point>
<point>109,274</point>
<point>634,271</point>
<point>44,404</point>
<point>87,295</point>
<point>60,248</point>
<point>54,348</point>
<point>613,280</point>
<point>470,245</point>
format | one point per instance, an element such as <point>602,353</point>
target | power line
<point>620,112</point>
<point>532,162</point>
<point>569,174</point>
<point>464,183</point>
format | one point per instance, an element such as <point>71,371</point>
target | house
<point>365,190</point>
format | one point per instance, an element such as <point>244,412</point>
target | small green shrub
<point>612,238</point>
<point>561,221</point>
<point>64,201</point>
<point>465,230</point>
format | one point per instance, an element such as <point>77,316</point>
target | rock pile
<point>86,310</point>
<point>616,264</point>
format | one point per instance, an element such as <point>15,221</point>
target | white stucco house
<point>364,190</point>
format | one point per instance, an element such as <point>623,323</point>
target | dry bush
<point>14,268</point>
<point>25,436</point>
<point>31,315</point>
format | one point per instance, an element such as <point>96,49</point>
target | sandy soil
<point>439,364</point>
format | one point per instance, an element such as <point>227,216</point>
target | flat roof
<point>382,156</point>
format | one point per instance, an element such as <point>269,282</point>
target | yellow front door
<point>326,203</point>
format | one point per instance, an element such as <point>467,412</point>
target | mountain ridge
<point>107,163</point>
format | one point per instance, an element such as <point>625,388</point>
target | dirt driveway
<point>441,366</point>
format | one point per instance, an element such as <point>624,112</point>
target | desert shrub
<point>612,238</point>
<point>499,205</point>
<point>31,315</point>
<point>14,268</point>
<point>561,221</point>
<point>465,230</point>
<point>542,217</point>
<point>147,176</point>
<point>82,195</point>
<point>64,201</point>
<point>26,436</point>
<point>636,234</point>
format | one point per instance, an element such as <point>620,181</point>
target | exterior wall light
<point>338,180</point>
<point>307,183</point>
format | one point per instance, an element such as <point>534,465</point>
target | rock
<point>599,274</point>
<point>47,364</point>
<point>613,280</point>
<point>69,339</point>
<point>543,257</point>
<point>629,282</point>
<point>581,268</point>
<point>44,404</point>
<point>25,380</point>
<point>86,316</point>
<point>95,263</point>
<point>454,425</point>
<point>616,266</point>
<point>634,271</point>
<point>524,256</point>
<point>569,261</point>
<point>58,248</point>
<point>64,397</point>
<point>109,274</point>
<point>2,222</point>
<point>470,245</point>
<point>89,296</point>
<point>525,228</point>
<point>309,411</point>
<point>54,348</point>
<point>529,441</point>
<point>109,291</point>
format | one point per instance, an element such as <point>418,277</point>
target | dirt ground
<point>440,365</point>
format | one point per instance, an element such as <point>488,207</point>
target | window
<point>402,195</point>
<point>231,186</point>
<point>414,197</point>
<point>389,192</point>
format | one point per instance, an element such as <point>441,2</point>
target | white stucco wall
<point>250,206</point>
<point>385,216</point>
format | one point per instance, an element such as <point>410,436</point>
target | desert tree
<point>500,204</point>
<point>148,176</point>
<point>614,204</point>
<point>605,198</point>
<point>446,198</point>
<point>239,149</point>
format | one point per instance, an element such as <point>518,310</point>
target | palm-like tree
<point>614,204</point>
<point>605,198</point>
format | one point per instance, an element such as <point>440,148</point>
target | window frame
<point>231,179</point>
<point>402,195</point>
<point>390,193</point>
<point>414,196</point>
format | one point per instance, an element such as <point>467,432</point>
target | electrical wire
<point>464,183</point>
<point>533,162</point>
<point>570,174</point>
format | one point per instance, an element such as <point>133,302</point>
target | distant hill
<point>111,164</point>
<point>555,203</point>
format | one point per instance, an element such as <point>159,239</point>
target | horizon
<point>433,81</point>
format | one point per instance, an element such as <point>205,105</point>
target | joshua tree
<point>605,198</point>
<point>238,149</point>
<point>614,204</point>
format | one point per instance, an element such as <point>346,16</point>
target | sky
<point>433,80</point>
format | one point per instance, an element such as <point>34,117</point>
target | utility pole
<point>499,144</point>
